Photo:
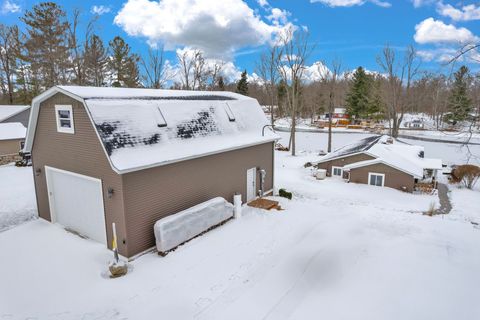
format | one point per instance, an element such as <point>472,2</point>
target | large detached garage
<point>133,156</point>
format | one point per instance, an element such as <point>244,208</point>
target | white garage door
<point>76,202</point>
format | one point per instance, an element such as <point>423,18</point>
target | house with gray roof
<point>15,113</point>
<point>382,161</point>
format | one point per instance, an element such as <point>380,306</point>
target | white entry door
<point>76,202</point>
<point>251,183</point>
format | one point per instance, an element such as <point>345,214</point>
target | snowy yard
<point>337,251</point>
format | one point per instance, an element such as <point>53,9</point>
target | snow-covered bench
<point>178,228</point>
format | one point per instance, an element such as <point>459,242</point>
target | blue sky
<point>352,30</point>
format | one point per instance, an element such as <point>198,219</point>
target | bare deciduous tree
<point>331,78</point>
<point>268,70</point>
<point>8,59</point>
<point>294,53</point>
<point>399,74</point>
<point>156,72</point>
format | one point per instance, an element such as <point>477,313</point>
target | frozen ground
<point>337,251</point>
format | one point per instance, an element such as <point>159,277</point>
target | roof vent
<point>231,116</point>
<point>160,118</point>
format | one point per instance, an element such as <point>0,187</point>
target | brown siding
<point>8,147</point>
<point>344,161</point>
<point>157,192</point>
<point>393,178</point>
<point>80,152</point>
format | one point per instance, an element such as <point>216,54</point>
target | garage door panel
<point>77,203</point>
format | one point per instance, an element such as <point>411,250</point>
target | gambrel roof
<point>141,128</point>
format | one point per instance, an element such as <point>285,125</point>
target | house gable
<point>81,153</point>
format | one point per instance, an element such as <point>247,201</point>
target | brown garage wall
<point>344,161</point>
<point>158,192</point>
<point>393,178</point>
<point>81,153</point>
<point>8,147</point>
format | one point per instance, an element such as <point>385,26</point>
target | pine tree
<point>358,101</point>
<point>96,60</point>
<point>221,84</point>
<point>242,84</point>
<point>123,64</point>
<point>459,103</point>
<point>47,43</point>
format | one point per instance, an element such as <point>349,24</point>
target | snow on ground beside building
<point>337,251</point>
<point>466,203</point>
<point>17,196</point>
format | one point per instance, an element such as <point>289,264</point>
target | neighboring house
<point>382,161</point>
<point>415,124</point>
<point>14,113</point>
<point>12,138</point>
<point>134,156</point>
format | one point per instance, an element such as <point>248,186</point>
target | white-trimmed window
<point>376,179</point>
<point>64,114</point>
<point>337,172</point>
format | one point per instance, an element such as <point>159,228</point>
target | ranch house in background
<point>382,161</point>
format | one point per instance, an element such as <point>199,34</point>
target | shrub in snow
<point>466,174</point>
<point>285,194</point>
<point>172,231</point>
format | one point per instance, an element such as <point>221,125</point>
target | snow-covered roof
<point>402,156</point>
<point>8,111</point>
<point>142,93</point>
<point>142,128</point>
<point>351,149</point>
<point>12,130</point>
<point>339,110</point>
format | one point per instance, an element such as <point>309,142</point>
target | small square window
<point>64,116</point>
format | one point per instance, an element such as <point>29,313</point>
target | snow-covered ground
<point>17,196</point>
<point>337,251</point>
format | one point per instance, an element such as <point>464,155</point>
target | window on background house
<point>337,172</point>
<point>376,179</point>
<point>64,115</point>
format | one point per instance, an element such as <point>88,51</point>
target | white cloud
<point>350,3</point>
<point>101,9</point>
<point>436,31</point>
<point>217,27</point>
<point>420,3</point>
<point>278,16</point>
<point>445,55</point>
<point>10,7</point>
<point>465,13</point>
<point>229,70</point>
<point>263,3</point>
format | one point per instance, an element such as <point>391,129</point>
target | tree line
<point>51,50</point>
<point>47,48</point>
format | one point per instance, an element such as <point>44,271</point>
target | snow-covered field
<point>337,251</point>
